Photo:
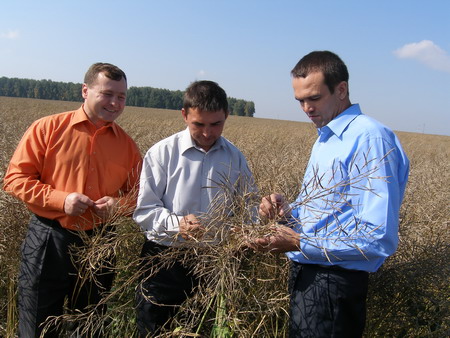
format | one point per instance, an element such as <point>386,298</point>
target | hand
<point>76,204</point>
<point>281,239</point>
<point>190,228</point>
<point>106,207</point>
<point>273,206</point>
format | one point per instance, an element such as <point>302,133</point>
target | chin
<point>110,118</point>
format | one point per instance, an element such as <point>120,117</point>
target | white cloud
<point>10,35</point>
<point>201,73</point>
<point>427,53</point>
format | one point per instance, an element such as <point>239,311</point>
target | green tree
<point>137,96</point>
<point>239,107</point>
<point>249,108</point>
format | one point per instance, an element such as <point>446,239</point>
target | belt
<point>55,224</point>
<point>333,267</point>
<point>326,267</point>
<point>50,222</point>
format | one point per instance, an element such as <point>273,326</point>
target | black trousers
<point>48,275</point>
<point>327,301</point>
<point>159,295</point>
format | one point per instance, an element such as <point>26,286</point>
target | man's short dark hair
<point>332,67</point>
<point>206,96</point>
<point>111,72</point>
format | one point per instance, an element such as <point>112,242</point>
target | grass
<point>247,293</point>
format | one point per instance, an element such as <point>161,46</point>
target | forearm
<point>353,241</point>
<point>157,219</point>
<point>34,192</point>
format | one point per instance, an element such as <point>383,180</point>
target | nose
<point>114,100</point>
<point>307,107</point>
<point>206,132</point>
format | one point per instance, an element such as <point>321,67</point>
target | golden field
<point>408,297</point>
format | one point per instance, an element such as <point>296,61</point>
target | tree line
<point>136,96</point>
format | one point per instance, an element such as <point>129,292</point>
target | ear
<point>84,90</point>
<point>184,113</point>
<point>342,90</point>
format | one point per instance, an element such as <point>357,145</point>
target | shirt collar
<point>186,142</point>
<point>339,123</point>
<point>80,116</point>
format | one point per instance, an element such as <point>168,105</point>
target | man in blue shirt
<point>344,223</point>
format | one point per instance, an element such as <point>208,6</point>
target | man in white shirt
<point>182,177</point>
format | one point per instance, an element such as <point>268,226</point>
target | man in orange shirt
<point>74,171</point>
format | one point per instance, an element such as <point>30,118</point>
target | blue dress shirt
<point>347,212</point>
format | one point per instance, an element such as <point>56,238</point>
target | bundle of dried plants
<point>408,296</point>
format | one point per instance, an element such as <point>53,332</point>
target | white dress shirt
<point>179,178</point>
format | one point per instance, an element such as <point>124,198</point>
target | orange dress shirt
<point>65,153</point>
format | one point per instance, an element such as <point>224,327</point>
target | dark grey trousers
<point>48,275</point>
<point>158,296</point>
<point>327,302</point>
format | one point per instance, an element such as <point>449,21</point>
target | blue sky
<point>397,52</point>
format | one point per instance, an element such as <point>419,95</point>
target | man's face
<point>104,100</point>
<point>205,127</point>
<point>316,100</point>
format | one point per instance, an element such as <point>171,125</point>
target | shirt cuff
<point>173,224</point>
<point>294,210</point>
<point>56,200</point>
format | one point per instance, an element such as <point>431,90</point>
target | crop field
<point>245,293</point>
